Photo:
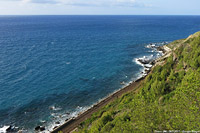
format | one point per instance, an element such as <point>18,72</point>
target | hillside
<point>168,99</point>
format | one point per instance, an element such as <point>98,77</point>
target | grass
<point>168,99</point>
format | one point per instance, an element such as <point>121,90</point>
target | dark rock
<point>147,71</point>
<point>52,108</point>
<point>161,49</point>
<point>55,127</point>
<point>57,122</point>
<point>144,61</point>
<point>13,129</point>
<point>9,129</point>
<point>152,62</point>
<point>37,128</point>
<point>42,128</point>
<point>67,113</point>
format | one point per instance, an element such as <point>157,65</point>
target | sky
<point>99,7</point>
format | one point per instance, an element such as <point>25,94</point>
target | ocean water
<point>53,67</point>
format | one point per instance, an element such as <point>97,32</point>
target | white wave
<point>42,121</point>
<point>148,65</point>
<point>151,45</point>
<point>4,129</point>
<point>152,51</point>
<point>54,115</point>
<point>68,63</point>
<point>62,117</point>
<point>136,60</point>
<point>143,59</point>
<point>55,108</point>
<point>156,45</point>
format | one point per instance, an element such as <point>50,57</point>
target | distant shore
<point>73,123</point>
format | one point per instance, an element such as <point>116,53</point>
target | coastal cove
<point>56,69</point>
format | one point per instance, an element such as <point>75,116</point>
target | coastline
<point>72,123</point>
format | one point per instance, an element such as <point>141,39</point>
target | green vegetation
<point>168,99</point>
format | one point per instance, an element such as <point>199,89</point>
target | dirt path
<point>73,123</point>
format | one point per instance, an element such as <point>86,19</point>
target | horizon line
<point>98,15</point>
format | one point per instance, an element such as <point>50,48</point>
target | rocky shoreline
<point>71,124</point>
<point>147,63</point>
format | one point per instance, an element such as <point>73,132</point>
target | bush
<point>167,100</point>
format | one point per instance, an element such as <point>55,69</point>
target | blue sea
<point>54,67</point>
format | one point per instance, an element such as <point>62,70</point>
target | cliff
<point>168,99</point>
